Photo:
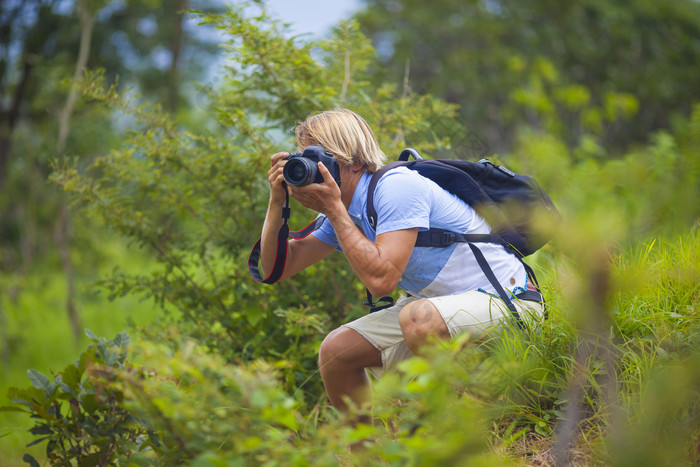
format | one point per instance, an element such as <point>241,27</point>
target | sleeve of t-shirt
<point>326,233</point>
<point>401,201</point>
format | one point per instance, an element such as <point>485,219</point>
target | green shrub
<point>78,413</point>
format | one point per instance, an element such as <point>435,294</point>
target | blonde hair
<point>344,134</point>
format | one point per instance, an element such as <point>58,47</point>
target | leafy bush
<point>79,414</point>
<point>189,406</point>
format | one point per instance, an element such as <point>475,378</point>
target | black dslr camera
<point>301,167</point>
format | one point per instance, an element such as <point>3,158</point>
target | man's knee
<point>339,347</point>
<point>420,320</point>
<point>345,348</point>
<point>331,347</point>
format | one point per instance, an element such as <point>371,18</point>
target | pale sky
<point>316,17</point>
<point>312,16</point>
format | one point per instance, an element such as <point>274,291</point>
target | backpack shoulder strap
<point>403,159</point>
<point>371,212</point>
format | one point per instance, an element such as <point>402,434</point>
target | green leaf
<point>25,396</point>
<point>71,377</point>
<point>37,441</point>
<point>66,395</point>
<point>40,381</point>
<point>42,429</point>
<point>122,341</point>
<point>415,366</point>
<point>51,446</point>
<point>137,459</point>
<point>91,335</point>
<point>30,460</point>
<point>92,459</point>
<point>8,408</point>
<point>88,402</point>
<point>110,358</point>
<point>361,432</point>
<point>82,363</point>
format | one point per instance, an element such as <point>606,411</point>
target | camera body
<point>302,167</point>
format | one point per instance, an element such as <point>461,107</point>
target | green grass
<point>40,336</point>
<point>644,343</point>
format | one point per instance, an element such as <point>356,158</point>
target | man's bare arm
<point>380,264</point>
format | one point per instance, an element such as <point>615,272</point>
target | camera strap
<point>282,241</point>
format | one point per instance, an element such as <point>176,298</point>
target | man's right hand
<point>276,177</point>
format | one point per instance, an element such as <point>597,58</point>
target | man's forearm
<point>268,243</point>
<point>363,255</point>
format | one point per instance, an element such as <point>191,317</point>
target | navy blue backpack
<point>509,202</point>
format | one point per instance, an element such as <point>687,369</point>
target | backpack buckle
<point>447,238</point>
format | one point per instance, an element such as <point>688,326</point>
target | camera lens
<point>299,171</point>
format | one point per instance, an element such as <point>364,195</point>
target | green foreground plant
<point>77,413</point>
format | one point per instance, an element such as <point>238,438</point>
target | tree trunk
<point>87,21</point>
<point>595,344</point>
<point>4,344</point>
<point>63,227</point>
<point>175,49</point>
<point>63,242</point>
<point>9,118</point>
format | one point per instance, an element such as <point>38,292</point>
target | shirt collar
<point>359,198</point>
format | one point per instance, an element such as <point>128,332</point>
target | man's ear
<point>357,167</point>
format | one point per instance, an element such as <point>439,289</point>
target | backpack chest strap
<point>441,238</point>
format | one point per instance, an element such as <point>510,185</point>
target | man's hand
<point>320,197</point>
<point>275,177</point>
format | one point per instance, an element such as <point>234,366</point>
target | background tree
<point>43,45</point>
<point>474,52</point>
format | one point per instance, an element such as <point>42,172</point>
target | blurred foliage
<point>637,57</point>
<point>181,404</point>
<point>43,43</point>
<point>39,44</point>
<point>494,401</point>
<point>645,192</point>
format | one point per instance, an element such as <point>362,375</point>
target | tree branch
<point>87,21</point>
<point>346,79</point>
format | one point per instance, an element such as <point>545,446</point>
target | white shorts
<point>473,311</point>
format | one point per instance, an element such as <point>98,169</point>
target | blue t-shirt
<point>404,199</point>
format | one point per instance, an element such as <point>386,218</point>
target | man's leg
<point>342,359</point>
<point>420,320</point>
